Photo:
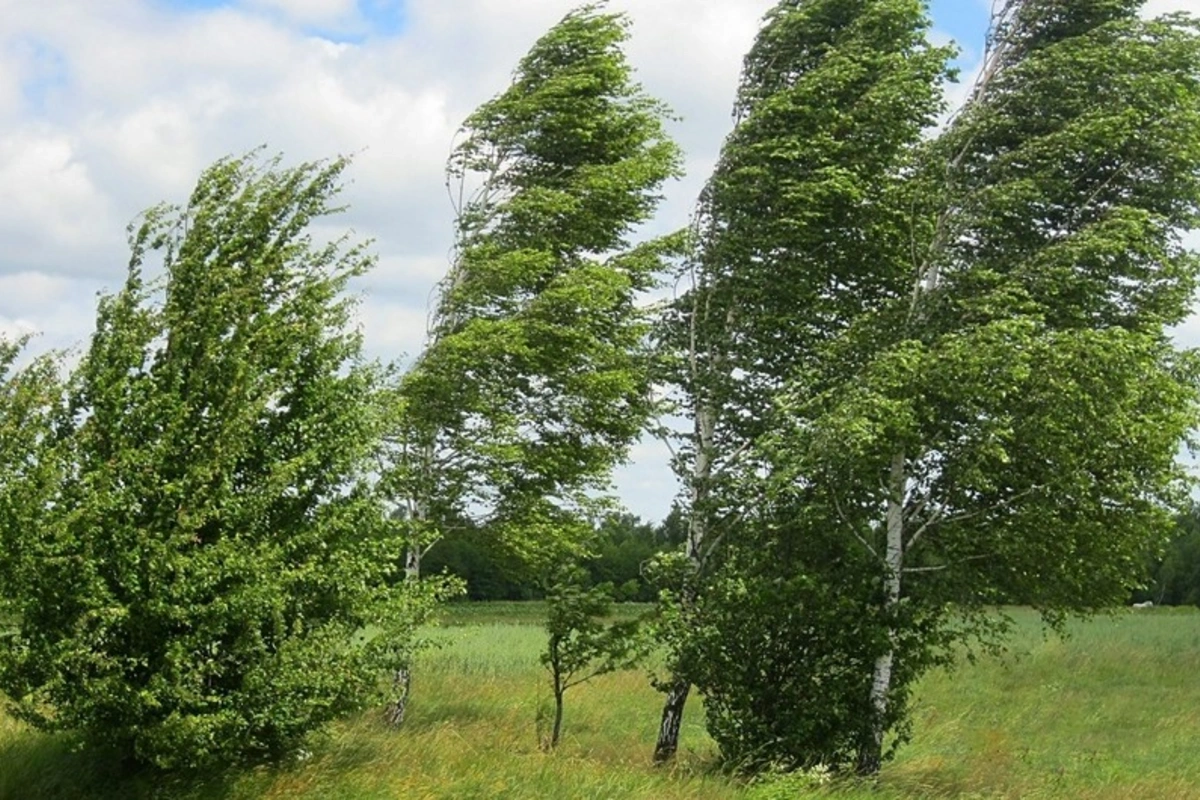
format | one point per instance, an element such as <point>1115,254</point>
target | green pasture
<point>1111,712</point>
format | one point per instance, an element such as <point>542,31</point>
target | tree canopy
<point>216,544</point>
<point>534,381</point>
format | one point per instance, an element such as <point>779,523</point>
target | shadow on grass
<point>440,713</point>
<point>39,766</point>
<point>34,765</point>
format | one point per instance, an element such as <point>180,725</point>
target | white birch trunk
<point>871,754</point>
<point>706,424</point>
<point>416,548</point>
<point>667,743</point>
<point>704,438</point>
<point>418,515</point>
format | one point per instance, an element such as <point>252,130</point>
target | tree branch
<point>838,507</point>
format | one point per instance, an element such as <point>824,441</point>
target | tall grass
<point>1111,712</point>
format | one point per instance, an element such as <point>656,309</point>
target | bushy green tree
<point>534,380</point>
<point>807,204</point>
<point>217,545</point>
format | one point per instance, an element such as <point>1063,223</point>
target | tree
<point>806,198</point>
<point>1003,420</point>
<point>534,379</point>
<point>217,544</point>
<point>580,645</point>
<point>617,552</point>
<point>1174,574</point>
<point>475,555</point>
<point>620,549</point>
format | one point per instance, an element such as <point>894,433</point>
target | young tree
<point>217,545</point>
<point>805,201</point>
<point>580,644</point>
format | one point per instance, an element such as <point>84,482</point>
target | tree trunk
<point>672,717</point>
<point>402,677</point>
<point>870,754</point>
<point>401,689</point>
<point>556,731</point>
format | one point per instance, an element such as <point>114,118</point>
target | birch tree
<point>1004,425</point>
<point>802,204</point>
<point>534,380</point>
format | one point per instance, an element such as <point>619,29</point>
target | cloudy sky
<point>110,106</point>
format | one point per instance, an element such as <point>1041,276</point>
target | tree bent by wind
<point>958,348</point>
<point>535,380</point>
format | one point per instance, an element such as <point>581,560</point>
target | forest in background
<point>624,545</point>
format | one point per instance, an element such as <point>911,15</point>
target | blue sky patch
<point>45,71</point>
<point>966,21</point>
<point>385,17</point>
<point>375,18</point>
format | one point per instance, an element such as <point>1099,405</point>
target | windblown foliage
<point>981,402</point>
<point>534,381</point>
<point>216,545</point>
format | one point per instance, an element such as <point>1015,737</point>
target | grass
<point>1112,712</point>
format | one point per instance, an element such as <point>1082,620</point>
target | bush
<point>200,585</point>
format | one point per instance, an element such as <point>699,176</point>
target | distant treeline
<point>624,543</point>
<point>1175,574</point>
<point>620,548</point>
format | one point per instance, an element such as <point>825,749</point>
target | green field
<point>1112,712</point>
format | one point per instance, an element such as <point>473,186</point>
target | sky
<point>108,107</point>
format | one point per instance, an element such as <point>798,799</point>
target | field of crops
<point>1111,712</point>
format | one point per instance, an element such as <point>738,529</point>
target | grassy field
<point>1112,712</point>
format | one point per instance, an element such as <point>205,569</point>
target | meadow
<point>1112,711</point>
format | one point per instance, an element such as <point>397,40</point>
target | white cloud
<point>50,207</point>
<point>109,107</point>
<point>56,308</point>
<point>310,12</point>
<point>1153,8</point>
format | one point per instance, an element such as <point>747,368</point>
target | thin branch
<point>838,507</point>
<point>664,436</point>
<point>924,501</point>
<point>938,519</point>
<point>718,467</point>
<point>943,567</point>
<point>934,519</point>
<point>928,271</point>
